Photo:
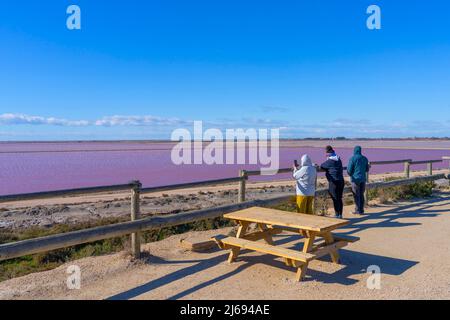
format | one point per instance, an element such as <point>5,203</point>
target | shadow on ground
<point>352,262</point>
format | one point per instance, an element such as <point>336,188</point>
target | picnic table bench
<point>271,221</point>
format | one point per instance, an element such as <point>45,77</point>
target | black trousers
<point>336,191</point>
<point>358,190</point>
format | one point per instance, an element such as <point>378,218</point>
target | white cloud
<point>367,128</point>
<point>139,121</point>
<point>276,109</point>
<point>21,119</point>
<point>290,129</point>
<point>17,119</point>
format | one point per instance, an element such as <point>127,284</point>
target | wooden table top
<point>287,219</point>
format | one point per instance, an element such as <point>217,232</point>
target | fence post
<point>366,193</point>
<point>135,215</point>
<point>407,169</point>
<point>430,168</point>
<point>241,193</point>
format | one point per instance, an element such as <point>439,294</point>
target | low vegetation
<point>406,192</point>
<point>45,261</point>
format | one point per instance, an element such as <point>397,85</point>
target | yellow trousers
<point>305,204</point>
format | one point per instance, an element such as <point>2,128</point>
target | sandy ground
<point>76,209</point>
<point>408,241</point>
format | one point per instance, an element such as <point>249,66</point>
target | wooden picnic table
<point>271,221</point>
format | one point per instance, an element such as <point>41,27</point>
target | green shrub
<point>406,192</point>
<point>290,205</point>
<point>52,259</point>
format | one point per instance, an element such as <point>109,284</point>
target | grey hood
<point>306,161</point>
<point>305,177</point>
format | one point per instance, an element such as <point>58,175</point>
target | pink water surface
<point>35,167</point>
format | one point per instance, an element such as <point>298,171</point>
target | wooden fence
<point>137,225</point>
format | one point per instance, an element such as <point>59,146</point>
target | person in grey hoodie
<point>305,177</point>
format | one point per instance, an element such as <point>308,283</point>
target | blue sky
<point>140,68</point>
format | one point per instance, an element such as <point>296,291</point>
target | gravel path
<point>408,241</point>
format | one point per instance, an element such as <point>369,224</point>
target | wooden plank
<point>329,249</point>
<point>309,241</point>
<point>407,170</point>
<point>341,237</point>
<point>197,246</point>
<point>267,236</point>
<point>265,248</point>
<point>279,171</point>
<point>242,229</point>
<point>67,192</point>
<point>389,162</point>
<point>366,192</point>
<point>329,240</point>
<point>135,215</point>
<point>258,235</point>
<point>425,161</point>
<point>318,246</point>
<point>287,219</point>
<point>301,271</point>
<point>241,192</point>
<point>188,185</point>
<point>233,254</point>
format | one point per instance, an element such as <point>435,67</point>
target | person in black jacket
<point>335,175</point>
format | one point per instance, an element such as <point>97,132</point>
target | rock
<point>35,211</point>
<point>57,209</point>
<point>197,245</point>
<point>5,224</point>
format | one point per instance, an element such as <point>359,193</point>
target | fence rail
<point>390,162</point>
<point>426,161</point>
<point>43,244</point>
<point>137,225</point>
<point>67,192</point>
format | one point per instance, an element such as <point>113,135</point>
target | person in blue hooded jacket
<point>357,169</point>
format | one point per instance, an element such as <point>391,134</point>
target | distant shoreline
<point>140,145</point>
<point>281,140</point>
